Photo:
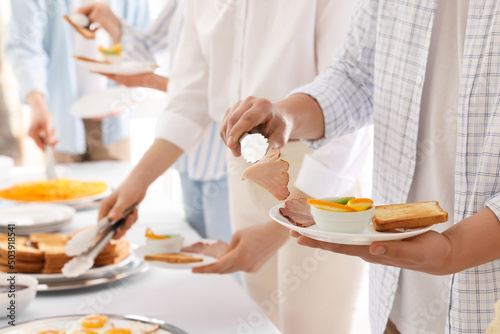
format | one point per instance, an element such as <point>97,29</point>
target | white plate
<point>70,202</point>
<point>64,322</point>
<point>36,215</point>
<point>104,103</point>
<point>124,68</point>
<point>141,251</point>
<point>368,236</point>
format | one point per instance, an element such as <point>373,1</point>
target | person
<point>423,74</point>
<point>208,215</point>
<point>219,60</point>
<point>40,46</point>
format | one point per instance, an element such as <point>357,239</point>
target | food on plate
<point>173,258</point>
<point>215,249</point>
<point>345,204</point>
<point>298,212</point>
<point>271,173</point>
<point>44,253</point>
<point>113,54</point>
<point>408,215</point>
<point>91,60</point>
<point>53,190</point>
<point>168,243</point>
<point>83,30</point>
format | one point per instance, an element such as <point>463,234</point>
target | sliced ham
<point>210,249</point>
<point>298,212</point>
<point>271,173</point>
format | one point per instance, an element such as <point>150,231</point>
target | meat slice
<point>298,212</point>
<point>210,249</point>
<point>271,173</point>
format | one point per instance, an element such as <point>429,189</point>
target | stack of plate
<point>35,218</point>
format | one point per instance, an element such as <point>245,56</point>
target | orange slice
<point>150,234</point>
<point>329,206</point>
<point>360,204</point>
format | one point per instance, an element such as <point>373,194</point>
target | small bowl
<point>19,298</point>
<point>342,222</point>
<point>161,246</point>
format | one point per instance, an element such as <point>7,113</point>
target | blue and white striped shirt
<point>377,76</point>
<point>207,160</point>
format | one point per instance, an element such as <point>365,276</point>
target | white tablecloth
<point>196,303</point>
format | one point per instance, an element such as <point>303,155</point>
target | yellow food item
<point>118,331</point>
<point>112,50</point>
<point>150,234</point>
<point>329,206</point>
<point>97,321</point>
<point>360,204</point>
<point>53,190</point>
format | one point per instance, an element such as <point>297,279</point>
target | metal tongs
<point>84,244</point>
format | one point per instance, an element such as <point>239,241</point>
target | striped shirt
<point>378,77</point>
<point>206,161</point>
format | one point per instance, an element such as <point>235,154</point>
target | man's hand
<point>148,80</point>
<point>428,252</point>
<point>41,129</point>
<point>255,115</point>
<point>249,249</point>
<point>103,15</point>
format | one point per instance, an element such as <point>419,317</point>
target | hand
<point>41,129</point>
<point>255,115</point>
<point>148,80</point>
<point>429,252</point>
<point>127,194</point>
<point>103,15</point>
<point>249,249</point>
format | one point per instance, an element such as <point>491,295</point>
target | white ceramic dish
<point>170,245</point>
<point>21,297</point>
<point>143,250</point>
<point>64,322</point>
<point>366,237</point>
<point>30,215</point>
<point>123,68</point>
<point>342,222</point>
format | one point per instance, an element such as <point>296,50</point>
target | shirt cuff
<point>494,204</point>
<point>178,130</point>
<point>318,181</point>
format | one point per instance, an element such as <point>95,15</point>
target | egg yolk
<point>51,332</point>
<point>97,321</point>
<point>84,331</point>
<point>118,331</point>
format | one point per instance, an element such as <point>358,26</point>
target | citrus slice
<point>342,200</point>
<point>329,206</point>
<point>360,204</point>
<point>150,234</point>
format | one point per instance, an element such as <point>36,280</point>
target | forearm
<point>305,115</point>
<point>474,241</point>
<point>158,158</point>
<point>156,81</point>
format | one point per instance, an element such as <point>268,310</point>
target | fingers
<point>85,10</point>
<point>106,205</point>
<point>131,219</point>
<point>226,264</point>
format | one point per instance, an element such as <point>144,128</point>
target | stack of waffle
<point>44,253</point>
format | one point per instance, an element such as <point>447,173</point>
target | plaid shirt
<point>377,76</point>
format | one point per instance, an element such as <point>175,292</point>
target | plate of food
<point>42,255</point>
<point>94,323</point>
<point>169,251</point>
<point>385,222</point>
<point>63,191</point>
<point>120,68</point>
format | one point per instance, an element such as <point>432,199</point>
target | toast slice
<point>408,215</point>
<point>173,258</point>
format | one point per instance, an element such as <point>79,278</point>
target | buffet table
<point>193,302</point>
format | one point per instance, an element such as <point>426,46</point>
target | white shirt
<point>227,52</point>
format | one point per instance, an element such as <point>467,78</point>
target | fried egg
<point>41,329</point>
<point>134,328</point>
<point>91,324</point>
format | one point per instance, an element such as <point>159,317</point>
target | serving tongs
<point>87,32</point>
<point>86,246</point>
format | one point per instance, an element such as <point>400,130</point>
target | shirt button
<point>419,80</point>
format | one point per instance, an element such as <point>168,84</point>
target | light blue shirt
<point>378,76</point>
<point>39,47</point>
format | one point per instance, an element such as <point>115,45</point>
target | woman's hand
<point>103,15</point>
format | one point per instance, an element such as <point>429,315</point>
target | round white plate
<point>63,323</point>
<point>123,68</point>
<point>36,215</point>
<point>368,236</point>
<point>103,103</point>
<point>142,250</point>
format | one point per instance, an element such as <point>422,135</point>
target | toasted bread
<point>87,33</point>
<point>408,215</point>
<point>173,258</point>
